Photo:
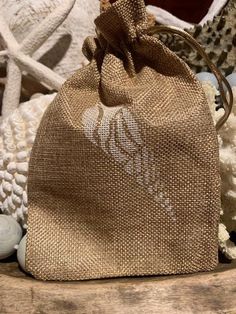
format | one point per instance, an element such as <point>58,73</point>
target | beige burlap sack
<point>124,172</point>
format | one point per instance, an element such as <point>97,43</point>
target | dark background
<point>187,10</point>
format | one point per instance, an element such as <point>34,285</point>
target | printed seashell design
<point>10,236</point>
<point>119,135</point>
<point>16,148</point>
<point>17,137</point>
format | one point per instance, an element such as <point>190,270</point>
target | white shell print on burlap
<point>17,134</point>
<point>62,51</point>
<point>126,149</point>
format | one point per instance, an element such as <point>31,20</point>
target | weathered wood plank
<point>213,292</point>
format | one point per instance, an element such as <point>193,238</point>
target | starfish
<point>19,56</point>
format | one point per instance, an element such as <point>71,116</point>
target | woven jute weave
<point>124,175</point>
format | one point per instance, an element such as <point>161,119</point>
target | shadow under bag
<point>124,173</point>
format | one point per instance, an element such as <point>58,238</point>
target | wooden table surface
<point>213,292</point>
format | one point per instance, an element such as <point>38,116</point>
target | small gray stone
<point>21,253</point>
<point>207,77</point>
<point>10,235</point>
<point>231,79</point>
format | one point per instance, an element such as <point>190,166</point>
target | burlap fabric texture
<point>124,175</point>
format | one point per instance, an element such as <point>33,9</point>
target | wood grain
<point>213,292</point>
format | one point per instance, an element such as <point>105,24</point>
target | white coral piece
<point>227,247</point>
<point>17,134</point>
<point>211,94</point>
<point>227,146</point>
<point>227,140</point>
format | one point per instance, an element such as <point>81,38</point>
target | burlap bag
<point>124,172</point>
